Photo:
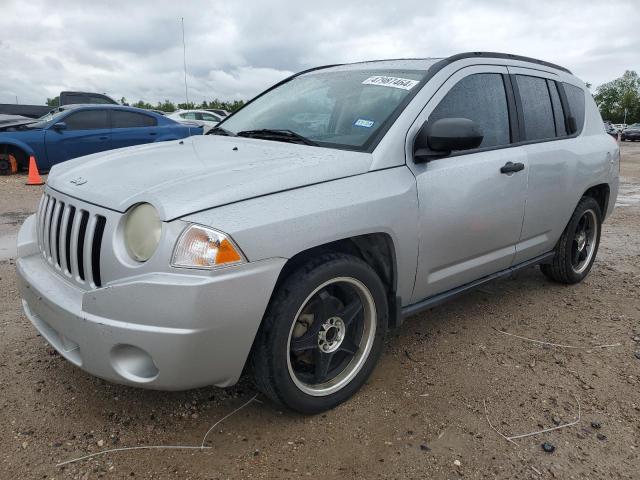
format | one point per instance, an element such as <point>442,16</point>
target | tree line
<point>168,106</point>
<point>619,99</point>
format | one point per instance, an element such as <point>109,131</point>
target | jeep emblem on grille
<point>78,181</point>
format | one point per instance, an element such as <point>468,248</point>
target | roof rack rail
<point>509,56</point>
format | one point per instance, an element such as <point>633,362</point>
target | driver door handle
<point>511,167</point>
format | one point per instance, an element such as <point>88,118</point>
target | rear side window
<point>87,120</point>
<point>482,98</point>
<point>558,112</point>
<point>131,120</point>
<point>210,117</point>
<point>575,98</point>
<point>536,108</point>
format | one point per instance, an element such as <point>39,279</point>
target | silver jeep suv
<point>329,208</point>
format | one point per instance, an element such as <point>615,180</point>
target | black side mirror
<point>60,126</point>
<point>441,137</point>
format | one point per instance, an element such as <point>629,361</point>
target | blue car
<point>76,130</point>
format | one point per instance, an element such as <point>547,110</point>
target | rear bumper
<point>166,331</point>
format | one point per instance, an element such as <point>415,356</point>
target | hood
<point>200,172</point>
<point>10,124</point>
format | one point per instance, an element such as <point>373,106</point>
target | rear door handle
<point>153,133</point>
<point>511,167</point>
<point>103,138</point>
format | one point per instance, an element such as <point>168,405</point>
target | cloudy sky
<point>236,48</point>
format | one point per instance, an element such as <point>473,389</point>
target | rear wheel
<point>322,334</point>
<point>578,245</point>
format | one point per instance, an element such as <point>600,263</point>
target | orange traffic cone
<point>34,176</point>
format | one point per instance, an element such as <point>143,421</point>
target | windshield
<point>44,120</point>
<point>339,108</point>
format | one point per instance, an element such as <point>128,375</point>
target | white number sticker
<point>394,82</point>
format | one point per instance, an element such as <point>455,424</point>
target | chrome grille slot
<point>70,239</point>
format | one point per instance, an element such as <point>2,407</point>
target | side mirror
<point>60,126</point>
<point>441,137</point>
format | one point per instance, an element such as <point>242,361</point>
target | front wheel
<point>322,334</point>
<point>577,248</point>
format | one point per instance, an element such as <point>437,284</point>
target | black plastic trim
<point>84,220</point>
<point>443,297</point>
<point>512,109</point>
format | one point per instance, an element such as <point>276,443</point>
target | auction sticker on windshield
<point>395,82</point>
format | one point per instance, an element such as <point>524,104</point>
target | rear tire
<point>577,248</point>
<point>322,334</point>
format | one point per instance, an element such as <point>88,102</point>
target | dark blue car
<point>76,130</point>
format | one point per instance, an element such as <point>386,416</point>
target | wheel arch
<point>13,146</point>
<point>600,193</point>
<point>376,249</point>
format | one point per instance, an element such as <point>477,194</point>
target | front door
<point>470,212</point>
<point>86,132</point>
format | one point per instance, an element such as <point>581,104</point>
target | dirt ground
<point>421,415</point>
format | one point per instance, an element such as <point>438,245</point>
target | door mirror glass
<point>443,136</point>
<point>60,126</point>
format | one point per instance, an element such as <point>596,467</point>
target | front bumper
<point>167,331</point>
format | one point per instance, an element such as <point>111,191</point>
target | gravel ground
<point>421,415</point>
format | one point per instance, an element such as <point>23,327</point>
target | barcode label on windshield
<point>394,82</point>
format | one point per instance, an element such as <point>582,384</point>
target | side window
<point>75,99</point>
<point>209,117</point>
<point>87,120</point>
<point>558,112</point>
<point>536,108</point>
<point>575,97</point>
<point>188,115</point>
<point>482,98</point>
<point>122,119</point>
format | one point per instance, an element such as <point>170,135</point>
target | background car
<point>218,111</point>
<point>611,130</point>
<point>631,133</point>
<point>207,120</point>
<point>76,130</point>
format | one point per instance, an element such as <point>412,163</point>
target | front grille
<point>70,238</point>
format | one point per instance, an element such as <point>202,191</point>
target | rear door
<point>553,161</point>
<point>132,128</point>
<point>86,132</point>
<point>470,213</point>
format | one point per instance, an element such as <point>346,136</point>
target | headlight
<point>142,229</point>
<point>201,247</point>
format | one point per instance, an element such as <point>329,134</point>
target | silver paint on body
<point>451,221</point>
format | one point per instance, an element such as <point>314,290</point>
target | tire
<point>576,253</point>
<point>314,320</point>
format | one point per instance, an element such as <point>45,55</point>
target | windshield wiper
<point>220,131</point>
<point>277,135</point>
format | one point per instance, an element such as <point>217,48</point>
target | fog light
<point>133,363</point>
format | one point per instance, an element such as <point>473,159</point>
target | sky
<point>237,48</point>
